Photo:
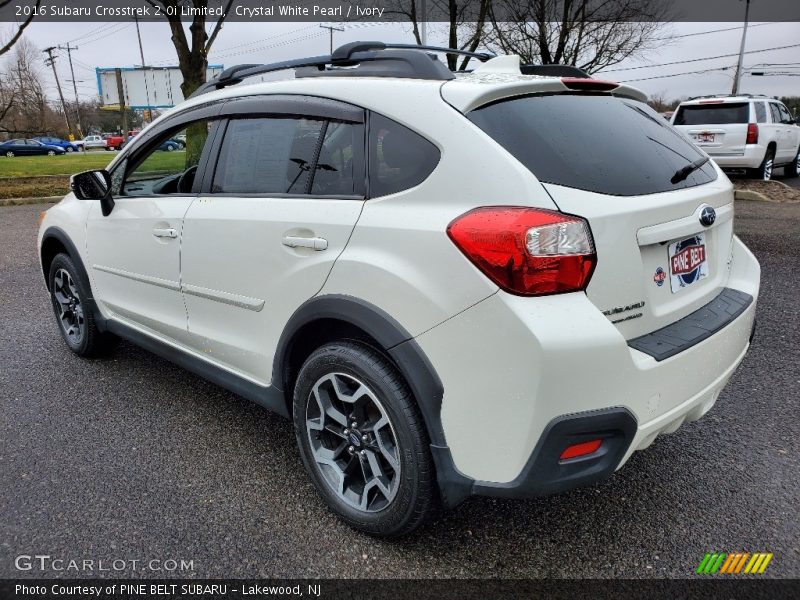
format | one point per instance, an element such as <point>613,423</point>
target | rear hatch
<point>613,161</point>
<point>718,126</point>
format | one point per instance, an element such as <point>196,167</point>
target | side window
<point>399,159</point>
<point>274,155</point>
<point>785,116</point>
<point>776,114</point>
<point>340,166</point>
<point>169,163</point>
<point>761,112</point>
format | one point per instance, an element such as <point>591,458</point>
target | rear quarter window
<point>399,158</point>
<point>599,143</point>
<point>713,114</point>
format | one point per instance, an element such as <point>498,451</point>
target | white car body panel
<point>514,364</point>
<point>136,274</point>
<point>241,284</point>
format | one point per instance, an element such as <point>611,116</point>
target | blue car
<point>54,141</point>
<point>28,147</point>
<point>171,145</point>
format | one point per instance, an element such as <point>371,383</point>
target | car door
<point>263,236</point>
<point>134,252</point>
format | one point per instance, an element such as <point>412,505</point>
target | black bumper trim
<point>545,473</point>
<point>694,328</point>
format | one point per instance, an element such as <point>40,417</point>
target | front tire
<point>51,153</point>
<point>68,293</point>
<point>10,154</point>
<point>362,440</point>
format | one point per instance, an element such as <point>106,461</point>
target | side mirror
<point>94,185</point>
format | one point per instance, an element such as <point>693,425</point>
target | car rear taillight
<point>752,133</point>
<point>527,251</point>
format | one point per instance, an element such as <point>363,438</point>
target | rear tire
<point>69,149</point>
<point>75,319</point>
<point>362,440</point>
<point>793,168</point>
<point>764,171</point>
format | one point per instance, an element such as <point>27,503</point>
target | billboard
<point>144,87</point>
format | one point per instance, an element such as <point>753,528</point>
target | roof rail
<point>731,96</point>
<point>554,71</point>
<point>374,59</point>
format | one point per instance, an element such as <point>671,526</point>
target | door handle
<point>315,243</point>
<point>167,232</point>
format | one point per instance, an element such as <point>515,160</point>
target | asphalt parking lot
<point>132,458</point>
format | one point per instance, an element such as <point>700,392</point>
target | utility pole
<point>122,108</point>
<point>331,28</point>
<point>148,113</point>
<point>738,77</point>
<point>51,62</point>
<point>69,49</point>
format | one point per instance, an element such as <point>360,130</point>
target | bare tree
<point>20,28</point>
<point>192,55</point>
<point>590,34</point>
<point>464,20</point>
<point>23,106</point>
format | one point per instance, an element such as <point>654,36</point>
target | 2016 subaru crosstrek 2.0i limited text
<point>496,283</point>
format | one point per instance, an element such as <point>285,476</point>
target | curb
<point>759,197</point>
<point>21,201</point>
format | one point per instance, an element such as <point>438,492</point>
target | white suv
<point>421,270</point>
<point>755,133</point>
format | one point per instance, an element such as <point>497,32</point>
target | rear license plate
<point>688,262</point>
<point>705,137</point>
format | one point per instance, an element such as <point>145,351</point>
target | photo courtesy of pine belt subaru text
<point>500,282</point>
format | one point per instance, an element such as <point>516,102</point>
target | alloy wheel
<point>353,442</point>
<point>68,306</point>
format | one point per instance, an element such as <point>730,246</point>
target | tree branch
<point>22,27</point>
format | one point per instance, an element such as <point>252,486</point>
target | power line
<point>691,60</point>
<point>696,33</point>
<point>677,74</point>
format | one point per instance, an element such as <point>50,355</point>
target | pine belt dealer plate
<point>688,262</point>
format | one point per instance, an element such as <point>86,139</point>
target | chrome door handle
<point>168,232</point>
<point>315,243</point>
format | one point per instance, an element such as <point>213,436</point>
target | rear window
<point>598,143</point>
<point>713,114</point>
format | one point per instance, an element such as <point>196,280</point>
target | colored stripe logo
<point>734,563</point>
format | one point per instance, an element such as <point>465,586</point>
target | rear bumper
<point>751,158</point>
<point>513,368</point>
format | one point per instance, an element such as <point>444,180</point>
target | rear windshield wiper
<point>684,172</point>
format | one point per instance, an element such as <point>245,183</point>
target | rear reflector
<point>527,251</point>
<point>752,134</point>
<point>593,85</point>
<point>581,449</point>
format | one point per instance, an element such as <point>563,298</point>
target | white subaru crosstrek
<point>745,132</point>
<point>495,283</point>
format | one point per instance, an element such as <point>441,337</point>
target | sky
<point>115,45</point>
